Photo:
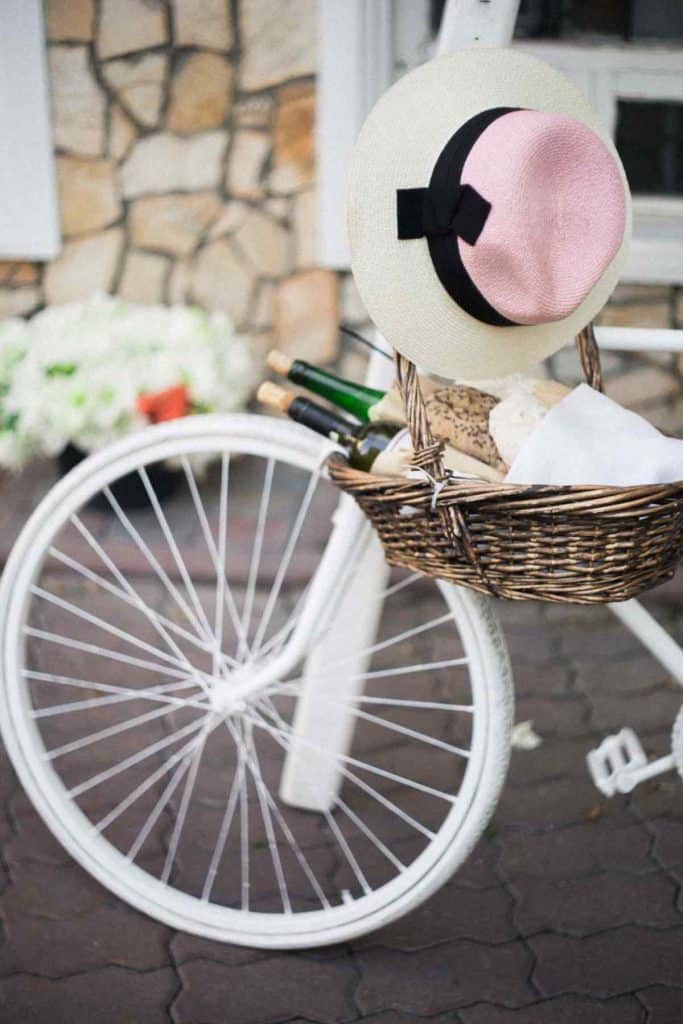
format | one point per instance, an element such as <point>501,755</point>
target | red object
<point>169,404</point>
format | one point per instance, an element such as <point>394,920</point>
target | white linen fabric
<point>589,439</point>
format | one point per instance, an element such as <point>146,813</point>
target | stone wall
<point>185,161</point>
<point>185,158</point>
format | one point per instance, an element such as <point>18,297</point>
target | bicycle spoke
<point>100,581</point>
<point>119,694</point>
<point>222,547</point>
<point>285,560</point>
<point>175,550</point>
<point>103,652</point>
<point>95,620</point>
<point>105,734</point>
<point>129,762</point>
<point>270,836</point>
<point>219,565</point>
<point>128,593</point>
<point>151,558</point>
<point>243,649</point>
<point>373,769</point>
<point>244,845</point>
<point>366,786</point>
<point>255,769</point>
<point>369,834</point>
<point>336,832</point>
<point>146,784</point>
<point>161,803</point>
<point>234,796</point>
<point>182,812</point>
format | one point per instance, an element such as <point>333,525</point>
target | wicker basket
<point>585,545</point>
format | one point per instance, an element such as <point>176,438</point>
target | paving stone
<point>562,1010</point>
<point>659,797</point>
<point>606,643</point>
<point>587,905</point>
<point>638,673</point>
<point>108,935</point>
<point>270,990</point>
<point>58,892</point>
<point>553,759</point>
<point>655,712</point>
<point>278,41</point>
<point>567,853</point>
<point>664,1005</point>
<point>444,978</point>
<point>185,948</point>
<point>617,961</point>
<point>482,915</point>
<point>106,996</point>
<point>668,845</point>
<point>559,716</point>
<point>555,802</point>
<point>480,869</point>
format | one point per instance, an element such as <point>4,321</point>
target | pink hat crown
<point>524,212</point>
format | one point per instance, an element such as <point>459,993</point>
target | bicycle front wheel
<point>127,633</point>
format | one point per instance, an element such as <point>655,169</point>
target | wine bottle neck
<point>323,421</point>
<point>353,398</point>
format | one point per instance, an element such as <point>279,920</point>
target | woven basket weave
<point>586,545</point>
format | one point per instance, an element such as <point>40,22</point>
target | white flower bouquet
<point>87,373</point>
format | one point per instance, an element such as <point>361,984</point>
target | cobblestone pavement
<point>568,911</point>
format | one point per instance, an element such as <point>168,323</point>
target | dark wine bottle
<point>356,399</point>
<point>361,443</point>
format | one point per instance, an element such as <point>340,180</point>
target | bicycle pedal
<point>616,765</point>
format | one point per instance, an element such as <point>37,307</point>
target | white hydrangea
<point>74,373</point>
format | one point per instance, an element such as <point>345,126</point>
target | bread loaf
<point>459,415</point>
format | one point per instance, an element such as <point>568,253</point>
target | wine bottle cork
<point>275,396</point>
<point>279,362</point>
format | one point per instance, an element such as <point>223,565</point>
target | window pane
<point>649,138</point>
<point>567,19</point>
<point>657,19</point>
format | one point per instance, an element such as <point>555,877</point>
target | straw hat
<point>489,213</point>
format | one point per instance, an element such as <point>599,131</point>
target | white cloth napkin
<point>589,439</point>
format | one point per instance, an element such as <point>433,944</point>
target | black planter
<point>128,490</point>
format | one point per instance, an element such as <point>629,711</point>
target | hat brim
<point>397,148</point>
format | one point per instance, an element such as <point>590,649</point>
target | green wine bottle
<point>362,444</point>
<point>355,399</point>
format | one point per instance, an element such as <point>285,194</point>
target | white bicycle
<point>243,734</point>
